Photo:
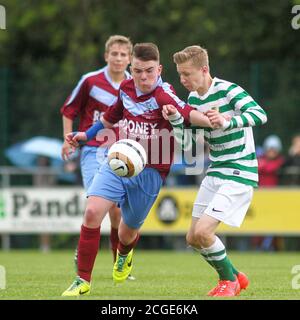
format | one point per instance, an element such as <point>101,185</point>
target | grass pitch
<point>161,275</point>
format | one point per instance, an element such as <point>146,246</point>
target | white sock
<point>215,247</point>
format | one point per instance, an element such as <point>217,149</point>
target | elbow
<point>265,119</point>
<point>106,124</point>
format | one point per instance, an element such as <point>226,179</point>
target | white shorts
<point>224,200</point>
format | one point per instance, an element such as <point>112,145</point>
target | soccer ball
<point>127,158</point>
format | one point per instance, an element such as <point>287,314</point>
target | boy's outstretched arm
<point>248,113</point>
<point>196,117</point>
<point>74,138</point>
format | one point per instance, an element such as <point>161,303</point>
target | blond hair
<point>122,40</point>
<point>196,54</point>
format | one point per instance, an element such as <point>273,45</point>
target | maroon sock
<point>114,241</point>
<point>124,250</point>
<point>88,246</point>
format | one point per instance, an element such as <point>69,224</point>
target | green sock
<point>223,266</point>
<point>216,256</point>
<point>234,270</point>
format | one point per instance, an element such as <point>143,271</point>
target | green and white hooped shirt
<point>231,151</point>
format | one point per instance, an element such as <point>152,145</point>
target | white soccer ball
<point>127,158</point>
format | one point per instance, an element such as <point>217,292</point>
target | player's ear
<point>160,67</point>
<point>205,69</point>
<point>105,56</point>
<point>129,58</point>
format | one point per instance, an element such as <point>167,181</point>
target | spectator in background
<point>72,173</point>
<point>292,164</point>
<point>270,163</point>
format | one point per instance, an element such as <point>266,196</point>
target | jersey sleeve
<point>76,101</point>
<point>115,113</point>
<point>168,96</point>
<point>249,113</point>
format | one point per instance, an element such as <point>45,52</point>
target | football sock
<point>88,246</point>
<point>234,270</point>
<point>124,250</point>
<point>114,241</point>
<point>216,256</point>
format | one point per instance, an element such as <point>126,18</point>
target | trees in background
<point>49,44</point>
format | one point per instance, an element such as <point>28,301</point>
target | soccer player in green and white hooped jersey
<point>226,192</point>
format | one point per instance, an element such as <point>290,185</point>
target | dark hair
<point>146,51</point>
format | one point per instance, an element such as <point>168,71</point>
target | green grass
<point>160,275</point>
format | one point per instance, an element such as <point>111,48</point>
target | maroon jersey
<point>142,120</point>
<point>93,95</point>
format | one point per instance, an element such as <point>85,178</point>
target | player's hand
<point>227,117</point>
<point>66,151</point>
<point>73,138</point>
<point>216,118</point>
<point>168,110</point>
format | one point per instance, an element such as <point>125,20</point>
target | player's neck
<point>116,77</point>
<point>207,83</point>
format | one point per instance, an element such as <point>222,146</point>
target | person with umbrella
<point>37,154</point>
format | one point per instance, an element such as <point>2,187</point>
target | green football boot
<point>122,267</point>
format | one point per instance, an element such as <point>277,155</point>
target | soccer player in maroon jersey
<point>139,106</point>
<point>95,93</point>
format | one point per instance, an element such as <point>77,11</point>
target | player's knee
<point>90,216</point>
<point>203,236</point>
<point>190,239</point>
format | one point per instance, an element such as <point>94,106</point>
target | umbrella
<point>43,146</point>
<point>26,153</point>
